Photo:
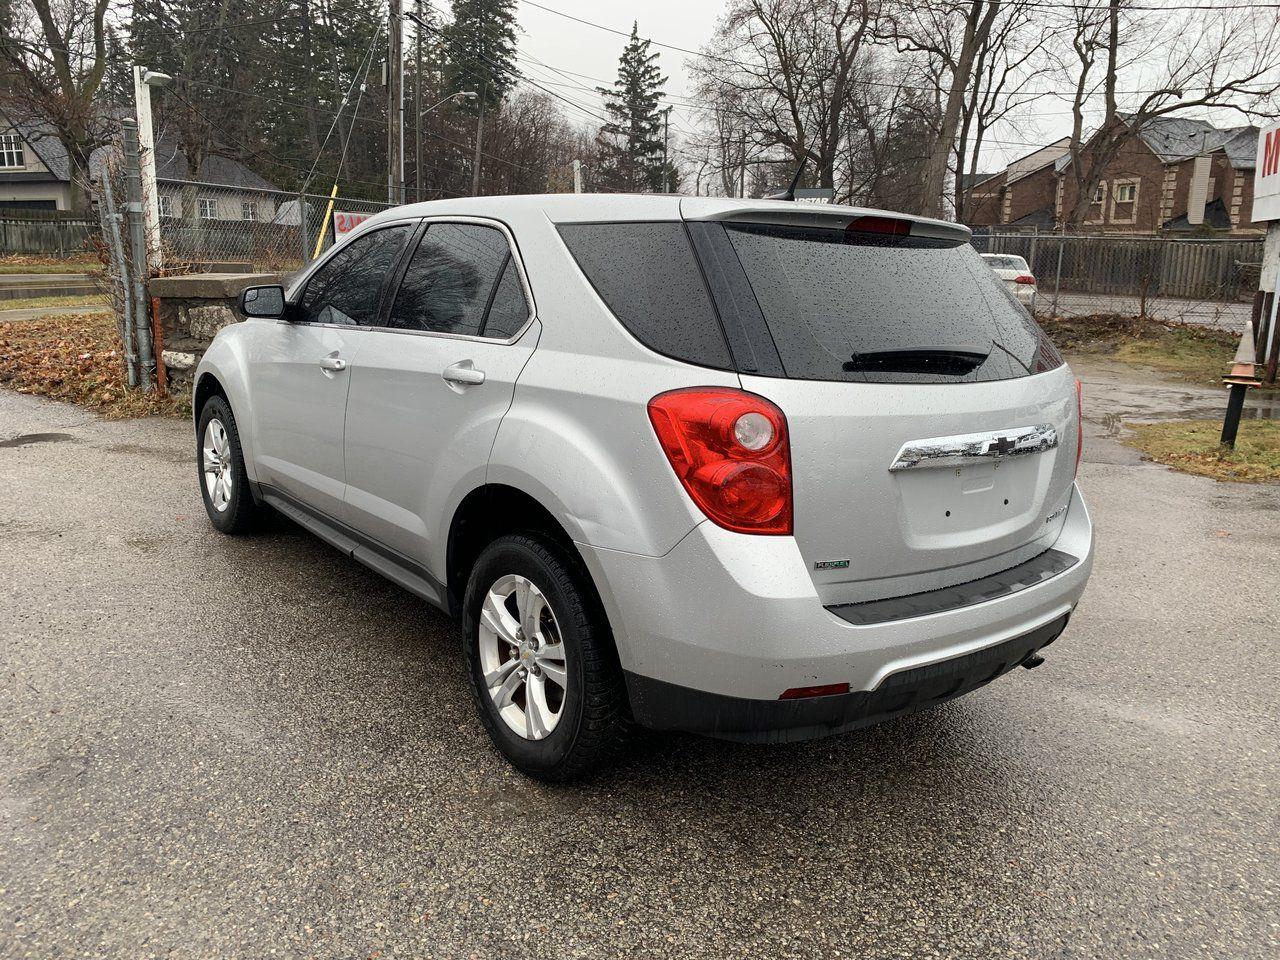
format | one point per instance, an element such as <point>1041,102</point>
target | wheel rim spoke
<point>502,697</point>
<point>520,651</point>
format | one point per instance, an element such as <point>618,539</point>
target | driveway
<point>215,747</point>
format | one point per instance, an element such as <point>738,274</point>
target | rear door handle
<point>463,372</point>
<point>333,363</point>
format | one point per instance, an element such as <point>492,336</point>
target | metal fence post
<point>138,252</point>
<point>111,227</point>
<point>1057,280</point>
<point>302,229</point>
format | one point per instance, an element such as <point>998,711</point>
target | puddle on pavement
<point>26,439</point>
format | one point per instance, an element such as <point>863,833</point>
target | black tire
<point>594,724</point>
<point>241,513</point>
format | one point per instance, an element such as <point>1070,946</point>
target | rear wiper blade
<point>945,361</point>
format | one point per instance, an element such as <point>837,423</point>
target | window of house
<point>166,205</point>
<point>11,153</point>
<point>208,208</point>
<point>461,280</point>
<point>1126,192</point>
<point>248,211</point>
<point>1100,194</point>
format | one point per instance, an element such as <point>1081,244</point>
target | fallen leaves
<point>77,358</point>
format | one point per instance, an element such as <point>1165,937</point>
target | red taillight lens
<point>731,452</point>
<point>1079,424</point>
<point>1025,278</point>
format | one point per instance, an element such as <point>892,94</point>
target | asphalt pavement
<point>216,747</point>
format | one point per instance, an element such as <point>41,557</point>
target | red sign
<point>1266,175</point>
<point>344,223</point>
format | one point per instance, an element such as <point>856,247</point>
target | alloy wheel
<point>522,657</point>
<point>215,454</point>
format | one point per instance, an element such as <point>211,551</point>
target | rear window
<point>997,261</point>
<point>873,307</point>
<point>647,275</point>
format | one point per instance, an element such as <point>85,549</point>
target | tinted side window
<point>451,280</point>
<point>647,275</point>
<point>509,310</point>
<point>346,289</point>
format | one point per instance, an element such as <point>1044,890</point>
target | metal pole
<point>1231,423</point>
<point>417,106</point>
<point>395,107</point>
<point>147,149</point>
<point>475,167</point>
<point>112,219</point>
<point>138,253</point>
<point>302,228</point>
<point>666,136</point>
<point>1057,280</point>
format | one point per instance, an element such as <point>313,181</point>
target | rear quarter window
<point>647,275</point>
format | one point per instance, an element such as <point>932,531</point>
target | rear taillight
<point>731,452</point>
<point>1079,424</point>
<point>1025,278</point>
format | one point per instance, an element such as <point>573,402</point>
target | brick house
<point>1022,195</point>
<point>1178,175</point>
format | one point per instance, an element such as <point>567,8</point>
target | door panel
<point>433,385</point>
<point>299,405</point>
<point>415,439</point>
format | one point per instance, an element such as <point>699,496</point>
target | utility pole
<point>666,137</point>
<point>475,167</point>
<point>577,176</point>
<point>143,81</point>
<point>395,106</point>
<point>417,106</point>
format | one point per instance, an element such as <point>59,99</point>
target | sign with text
<point>1266,177</point>
<point>344,223</point>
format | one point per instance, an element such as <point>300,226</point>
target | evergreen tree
<point>480,51</point>
<point>629,146</point>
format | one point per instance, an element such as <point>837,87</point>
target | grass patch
<point>35,263</point>
<point>77,358</point>
<point>37,303</point>
<point>1192,353</point>
<point>1192,447</point>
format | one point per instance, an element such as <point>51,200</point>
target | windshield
<point>876,307</point>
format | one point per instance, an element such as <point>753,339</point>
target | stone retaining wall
<point>193,308</point>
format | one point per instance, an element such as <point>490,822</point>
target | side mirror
<point>267,302</point>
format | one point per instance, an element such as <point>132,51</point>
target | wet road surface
<point>213,747</point>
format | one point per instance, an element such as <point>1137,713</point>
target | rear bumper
<point>738,619</point>
<point>666,706</point>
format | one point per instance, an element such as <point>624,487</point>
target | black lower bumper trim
<point>668,706</point>
<point>1036,570</point>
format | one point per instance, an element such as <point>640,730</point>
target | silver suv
<point>753,469</point>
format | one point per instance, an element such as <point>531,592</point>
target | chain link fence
<point>1205,281</point>
<point>259,230</point>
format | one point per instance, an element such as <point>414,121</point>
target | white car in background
<point>1016,274</point>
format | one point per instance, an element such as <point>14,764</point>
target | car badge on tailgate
<point>974,447</point>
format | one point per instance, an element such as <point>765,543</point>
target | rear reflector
<point>880,225</point>
<point>825,690</point>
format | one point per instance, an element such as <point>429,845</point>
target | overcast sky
<point>550,42</point>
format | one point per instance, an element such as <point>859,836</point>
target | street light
<point>143,81</point>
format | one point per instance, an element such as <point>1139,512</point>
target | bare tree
<point>786,70</point>
<point>950,34</point>
<point>55,58</point>
<point>1007,61</point>
<point>1227,58</point>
